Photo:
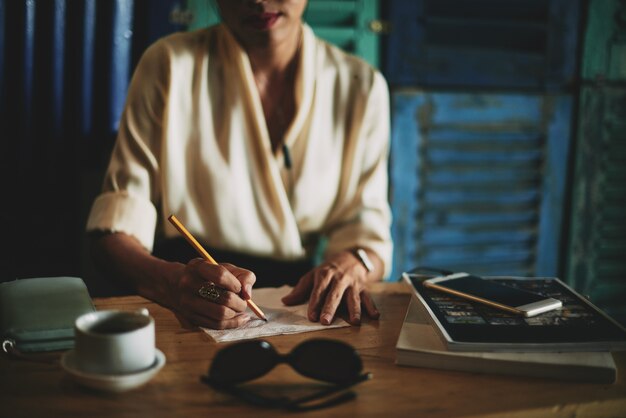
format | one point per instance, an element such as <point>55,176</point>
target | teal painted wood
<point>477,182</point>
<point>596,265</point>
<point>604,55</point>
<point>597,242</point>
<point>346,23</point>
<point>204,13</point>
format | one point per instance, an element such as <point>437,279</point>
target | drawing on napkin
<point>281,319</point>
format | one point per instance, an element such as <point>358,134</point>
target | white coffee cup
<point>114,342</point>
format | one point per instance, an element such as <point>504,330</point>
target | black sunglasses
<point>326,360</point>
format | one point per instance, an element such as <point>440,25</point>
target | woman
<point>260,138</point>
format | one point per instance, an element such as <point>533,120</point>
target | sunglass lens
<point>327,360</point>
<point>242,362</point>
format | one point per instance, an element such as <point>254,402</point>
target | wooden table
<point>36,390</point>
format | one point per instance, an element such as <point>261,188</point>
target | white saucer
<point>111,382</point>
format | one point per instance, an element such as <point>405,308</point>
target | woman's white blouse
<point>193,142</point>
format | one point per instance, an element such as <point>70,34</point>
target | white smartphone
<point>493,294</point>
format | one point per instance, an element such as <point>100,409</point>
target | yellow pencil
<point>196,245</point>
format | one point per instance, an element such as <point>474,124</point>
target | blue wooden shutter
<point>489,43</point>
<point>477,181</point>
<point>482,106</point>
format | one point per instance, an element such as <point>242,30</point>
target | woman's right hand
<point>176,285</point>
<point>233,284</point>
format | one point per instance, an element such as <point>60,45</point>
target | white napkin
<point>281,319</point>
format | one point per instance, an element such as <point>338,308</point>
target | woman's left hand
<point>342,277</point>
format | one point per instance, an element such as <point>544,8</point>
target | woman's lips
<point>262,21</point>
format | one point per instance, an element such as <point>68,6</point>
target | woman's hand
<point>341,278</point>
<point>176,285</point>
<point>233,285</point>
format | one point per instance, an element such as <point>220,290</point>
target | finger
<point>321,283</point>
<point>230,300</point>
<point>227,306</point>
<point>333,298</point>
<point>191,320</point>
<point>300,293</point>
<point>245,277</point>
<point>197,278</point>
<point>353,302</point>
<point>369,305</point>
<point>215,273</point>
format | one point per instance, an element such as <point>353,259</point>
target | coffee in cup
<point>114,342</point>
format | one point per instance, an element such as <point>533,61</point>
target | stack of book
<point>443,331</point>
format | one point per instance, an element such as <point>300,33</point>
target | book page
<point>281,319</point>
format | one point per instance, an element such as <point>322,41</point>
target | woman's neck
<point>274,70</point>
<point>275,57</point>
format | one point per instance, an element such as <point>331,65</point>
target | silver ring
<point>210,291</point>
<point>8,346</point>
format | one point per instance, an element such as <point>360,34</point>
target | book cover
<point>464,325</point>
<point>419,345</point>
